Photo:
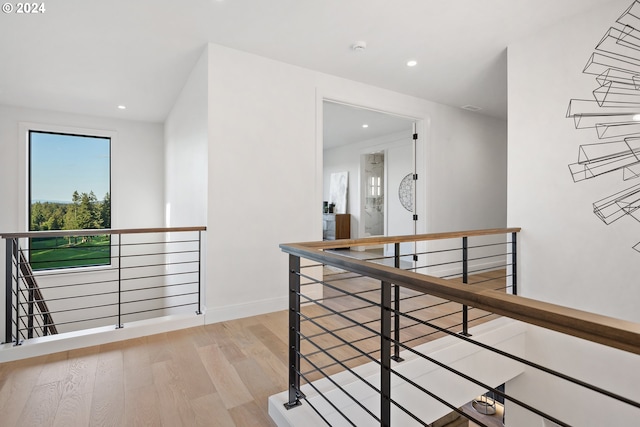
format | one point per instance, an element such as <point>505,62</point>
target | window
<point>69,189</point>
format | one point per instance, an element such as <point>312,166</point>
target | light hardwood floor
<point>214,375</point>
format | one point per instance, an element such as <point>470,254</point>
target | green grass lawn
<point>49,253</point>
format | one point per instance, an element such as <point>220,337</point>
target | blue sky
<point>62,164</point>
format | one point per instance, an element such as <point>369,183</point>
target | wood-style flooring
<point>215,375</point>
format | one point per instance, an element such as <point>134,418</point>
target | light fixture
<point>359,46</point>
<point>412,63</point>
<point>485,404</point>
<point>365,125</point>
<point>122,107</point>
<point>636,117</point>
<point>470,107</point>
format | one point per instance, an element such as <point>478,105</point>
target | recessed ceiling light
<point>365,125</point>
<point>636,117</point>
<point>470,107</point>
<point>412,63</point>
<point>122,107</point>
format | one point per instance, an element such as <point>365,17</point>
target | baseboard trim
<point>240,311</point>
<point>255,308</point>
<point>97,336</point>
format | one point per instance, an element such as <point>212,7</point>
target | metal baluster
<point>45,328</point>
<point>396,306</point>
<point>385,355</point>
<point>30,311</point>
<point>465,280</point>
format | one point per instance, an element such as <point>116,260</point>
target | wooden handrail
<point>616,333</point>
<point>379,240</point>
<point>93,232</point>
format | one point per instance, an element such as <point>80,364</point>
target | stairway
<point>484,365</point>
<point>35,298</point>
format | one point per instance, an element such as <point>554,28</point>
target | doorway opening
<point>374,206</point>
<point>376,151</point>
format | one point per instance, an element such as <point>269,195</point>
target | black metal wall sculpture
<point>614,113</point>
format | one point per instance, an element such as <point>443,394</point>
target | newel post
<point>199,273</point>
<point>514,267</point>
<point>8,293</point>
<point>294,333</point>
<point>15,255</point>
<point>119,325</point>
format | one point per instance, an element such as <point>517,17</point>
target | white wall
<point>265,171</point>
<point>610,369</point>
<point>186,145</point>
<point>186,137</point>
<point>345,159</point>
<point>399,163</point>
<point>567,255</point>
<point>262,179</point>
<point>467,170</point>
<point>137,158</point>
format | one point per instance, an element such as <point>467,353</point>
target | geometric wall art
<point>338,190</point>
<point>613,115</point>
<point>405,192</point>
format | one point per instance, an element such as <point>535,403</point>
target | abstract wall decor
<point>613,114</point>
<point>338,188</point>
<point>405,192</point>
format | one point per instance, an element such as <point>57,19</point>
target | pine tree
<point>105,211</point>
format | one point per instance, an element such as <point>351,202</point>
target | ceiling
<point>88,56</point>
<point>343,124</point>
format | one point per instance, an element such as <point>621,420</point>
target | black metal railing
<point>354,321</point>
<point>145,273</point>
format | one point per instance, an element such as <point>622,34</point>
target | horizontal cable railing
<point>61,281</point>
<point>362,328</point>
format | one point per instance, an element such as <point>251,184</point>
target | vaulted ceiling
<point>89,56</point>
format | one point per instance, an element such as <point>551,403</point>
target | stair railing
<point>139,274</point>
<point>35,301</point>
<point>346,324</point>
